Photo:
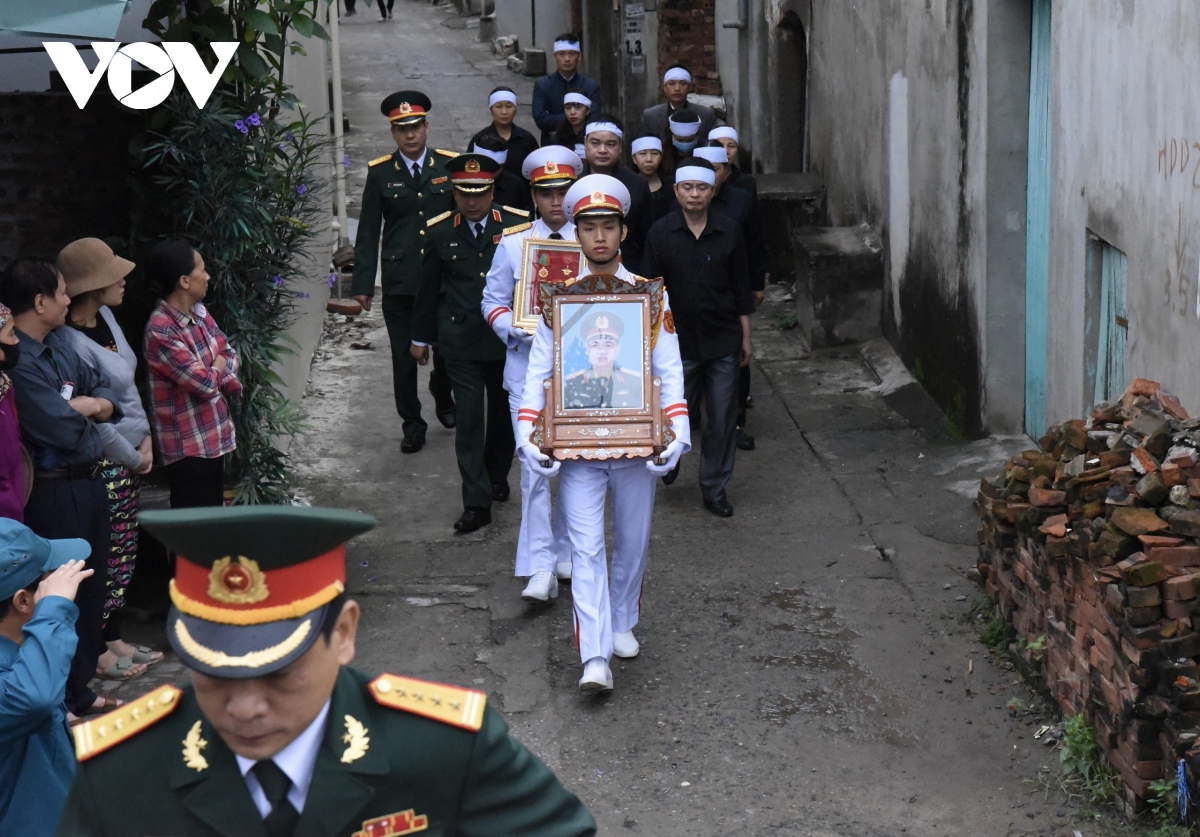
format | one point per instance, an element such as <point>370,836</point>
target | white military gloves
<point>540,463</point>
<point>670,458</point>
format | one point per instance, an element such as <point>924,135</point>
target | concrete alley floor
<point>809,666</point>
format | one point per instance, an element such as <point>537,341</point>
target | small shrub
<point>1083,764</point>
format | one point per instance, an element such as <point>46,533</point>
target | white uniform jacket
<point>498,298</point>
<point>665,363</point>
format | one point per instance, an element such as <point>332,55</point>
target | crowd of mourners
<point>78,435</point>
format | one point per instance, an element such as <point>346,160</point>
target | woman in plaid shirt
<point>192,372</point>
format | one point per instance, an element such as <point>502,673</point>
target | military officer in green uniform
<point>277,736</point>
<point>604,384</point>
<point>404,190</point>
<point>448,312</point>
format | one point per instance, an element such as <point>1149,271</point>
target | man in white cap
<point>701,256</point>
<point>603,146</point>
<point>727,137</point>
<point>677,84</point>
<point>606,609</point>
<point>543,548</point>
<point>550,89</point>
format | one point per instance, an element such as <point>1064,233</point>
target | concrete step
<point>839,284</point>
<point>788,201</point>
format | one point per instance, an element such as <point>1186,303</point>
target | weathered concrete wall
<point>1126,165</point>
<point>896,130</point>
<point>522,17</point>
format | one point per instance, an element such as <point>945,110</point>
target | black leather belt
<point>71,472</point>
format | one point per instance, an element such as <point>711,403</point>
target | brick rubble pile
<point>1090,547</point>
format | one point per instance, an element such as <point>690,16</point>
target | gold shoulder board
<point>124,722</point>
<point>446,153</point>
<point>448,704</point>
<point>379,160</point>
<point>524,213</point>
<point>518,228</point>
<point>441,217</point>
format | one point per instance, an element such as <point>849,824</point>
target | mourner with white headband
<point>518,142</point>
<point>577,108</point>
<point>647,159</point>
<point>607,602</point>
<point>550,90</point>
<point>543,548</point>
<point>702,257</point>
<point>677,84</point>
<point>603,146</point>
<point>728,139</point>
<point>511,190</point>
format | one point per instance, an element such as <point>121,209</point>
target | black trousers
<point>743,395</point>
<point>78,509</point>
<point>385,7</point>
<point>397,316</point>
<point>483,436</point>
<point>196,482</point>
<point>714,382</point>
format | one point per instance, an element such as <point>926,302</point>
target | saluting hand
<point>63,582</point>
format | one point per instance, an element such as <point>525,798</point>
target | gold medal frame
<point>560,261</point>
<point>603,433</point>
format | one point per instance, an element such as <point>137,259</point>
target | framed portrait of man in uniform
<point>603,399</point>
<point>544,261</point>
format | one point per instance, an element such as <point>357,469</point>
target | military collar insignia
<point>356,740</point>
<point>192,745</point>
<point>496,214</point>
<point>394,825</point>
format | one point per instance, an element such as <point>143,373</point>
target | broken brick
<point>1046,497</point>
<point>1136,521</point>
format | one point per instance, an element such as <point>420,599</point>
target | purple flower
<point>254,119</point>
<point>283,147</point>
<point>301,190</point>
<point>241,126</point>
<point>290,136</point>
<point>332,279</point>
<point>303,295</point>
<point>278,280</point>
<point>346,161</point>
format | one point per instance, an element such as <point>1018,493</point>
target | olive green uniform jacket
<point>177,778</point>
<point>399,206</point>
<point>448,309</point>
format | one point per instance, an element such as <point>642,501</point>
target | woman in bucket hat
<point>95,278</point>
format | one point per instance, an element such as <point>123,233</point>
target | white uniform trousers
<point>606,601</point>
<point>542,540</point>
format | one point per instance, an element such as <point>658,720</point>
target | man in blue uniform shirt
<point>38,581</point>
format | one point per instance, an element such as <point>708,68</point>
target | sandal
<point>122,669</point>
<point>103,705</point>
<point>146,656</point>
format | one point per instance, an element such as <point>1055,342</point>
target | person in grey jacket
<point>95,279</point>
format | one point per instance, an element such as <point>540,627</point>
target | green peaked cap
<point>273,536</point>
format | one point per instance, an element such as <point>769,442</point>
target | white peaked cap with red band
<point>551,165</point>
<point>597,194</point>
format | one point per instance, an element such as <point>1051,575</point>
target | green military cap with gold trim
<point>252,583</point>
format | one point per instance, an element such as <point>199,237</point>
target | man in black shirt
<point>701,256</point>
<point>59,399</point>
<point>510,190</point>
<point>603,145</point>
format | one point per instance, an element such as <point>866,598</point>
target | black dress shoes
<point>670,476</point>
<point>448,417</point>
<point>412,444</point>
<point>500,491</point>
<point>744,440</point>
<point>473,518</point>
<point>720,507</point>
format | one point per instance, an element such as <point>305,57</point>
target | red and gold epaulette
<point>124,722</point>
<point>448,704</point>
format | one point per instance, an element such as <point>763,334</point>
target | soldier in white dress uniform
<point>607,602</point>
<point>543,548</point>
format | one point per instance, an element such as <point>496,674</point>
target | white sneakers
<point>597,677</point>
<point>542,587</point>
<point>625,644</point>
<point>563,570</point>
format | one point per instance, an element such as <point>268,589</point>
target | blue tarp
<point>97,19</point>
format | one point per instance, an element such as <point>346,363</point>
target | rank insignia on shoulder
<point>524,213</point>
<point>438,180</point>
<point>394,825</point>
<point>446,153</point>
<point>496,238</point>
<point>379,160</point>
<point>124,722</point>
<point>449,704</point>
<point>438,218</point>
<point>518,228</point>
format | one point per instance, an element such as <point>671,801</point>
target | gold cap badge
<point>598,197</point>
<point>405,108</point>
<point>237,583</point>
<point>472,167</point>
<point>551,167</point>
